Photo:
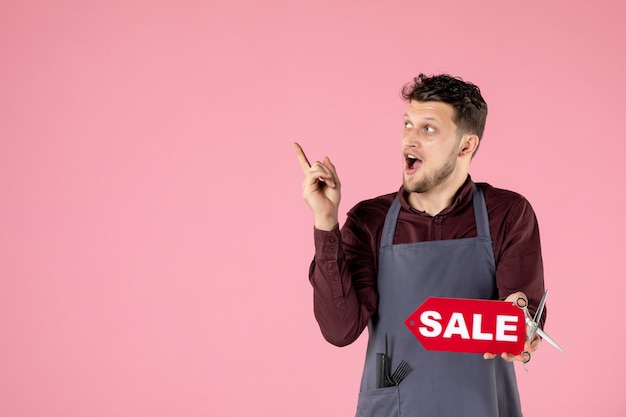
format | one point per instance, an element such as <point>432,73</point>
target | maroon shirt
<point>345,268</point>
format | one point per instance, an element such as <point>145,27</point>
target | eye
<point>407,124</point>
<point>429,129</point>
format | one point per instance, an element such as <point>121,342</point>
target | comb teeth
<point>400,373</point>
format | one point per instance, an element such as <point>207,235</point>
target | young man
<point>440,235</point>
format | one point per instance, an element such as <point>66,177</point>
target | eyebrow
<point>406,115</point>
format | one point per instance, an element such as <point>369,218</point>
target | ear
<point>469,144</point>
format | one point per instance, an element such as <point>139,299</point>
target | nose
<point>410,138</point>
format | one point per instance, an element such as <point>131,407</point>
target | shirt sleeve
<point>520,264</point>
<point>343,276</point>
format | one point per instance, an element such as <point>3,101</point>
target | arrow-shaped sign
<point>472,326</point>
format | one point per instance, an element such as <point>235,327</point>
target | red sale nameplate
<point>472,326</point>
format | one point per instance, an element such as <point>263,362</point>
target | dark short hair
<point>470,109</point>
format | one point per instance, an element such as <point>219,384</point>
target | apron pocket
<point>379,402</point>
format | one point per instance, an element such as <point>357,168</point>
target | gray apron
<point>440,384</point>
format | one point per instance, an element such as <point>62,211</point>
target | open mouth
<point>412,161</point>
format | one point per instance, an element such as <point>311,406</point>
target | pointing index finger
<point>304,162</point>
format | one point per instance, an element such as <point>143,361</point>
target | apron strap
<point>480,215</point>
<point>389,228</point>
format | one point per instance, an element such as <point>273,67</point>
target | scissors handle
<point>521,302</point>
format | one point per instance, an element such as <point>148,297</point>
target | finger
<point>317,176</point>
<point>489,356</point>
<point>304,162</point>
<point>508,357</point>
<point>321,172</point>
<point>513,358</point>
<point>332,169</point>
<point>534,345</point>
<point>522,357</point>
<point>512,297</point>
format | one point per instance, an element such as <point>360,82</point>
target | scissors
<point>533,323</point>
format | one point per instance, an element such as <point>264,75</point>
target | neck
<point>439,198</point>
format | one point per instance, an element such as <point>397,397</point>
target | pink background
<point>154,245</point>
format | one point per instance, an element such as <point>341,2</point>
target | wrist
<point>326,223</point>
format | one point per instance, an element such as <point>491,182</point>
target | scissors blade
<point>549,339</point>
<point>538,314</point>
<point>542,304</point>
<point>532,325</point>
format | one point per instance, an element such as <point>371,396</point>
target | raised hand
<point>321,190</point>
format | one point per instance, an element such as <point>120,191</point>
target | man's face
<point>430,146</point>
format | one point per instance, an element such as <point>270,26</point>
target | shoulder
<point>367,217</point>
<point>501,197</point>
<point>506,205</point>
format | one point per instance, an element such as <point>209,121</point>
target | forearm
<point>338,306</point>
